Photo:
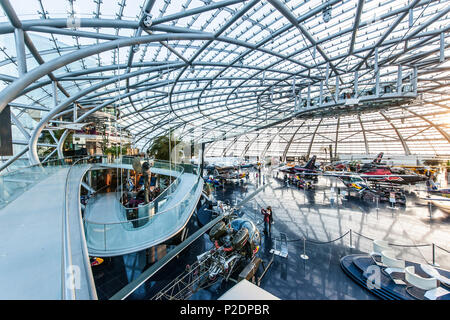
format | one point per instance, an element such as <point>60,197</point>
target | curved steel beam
<point>312,139</point>
<point>68,101</point>
<point>400,137</point>
<point>269,143</point>
<point>337,136</point>
<point>249,143</point>
<point>366,145</point>
<point>438,128</point>
<point>227,148</point>
<point>288,145</point>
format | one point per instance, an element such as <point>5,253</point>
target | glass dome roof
<point>294,76</point>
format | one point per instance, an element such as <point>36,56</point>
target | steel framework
<point>230,70</point>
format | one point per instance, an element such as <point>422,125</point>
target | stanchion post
<point>429,208</point>
<point>351,240</point>
<point>434,255</point>
<point>304,256</point>
<point>434,260</point>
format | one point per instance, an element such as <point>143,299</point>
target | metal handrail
<point>67,255</point>
<point>41,164</point>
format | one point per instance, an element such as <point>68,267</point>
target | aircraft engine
<point>240,239</point>
<point>218,231</point>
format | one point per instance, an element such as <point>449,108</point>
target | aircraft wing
<point>227,168</point>
<point>350,174</point>
<point>389,175</point>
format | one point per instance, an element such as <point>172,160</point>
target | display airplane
<point>308,169</point>
<point>353,165</point>
<point>377,172</point>
<point>433,189</point>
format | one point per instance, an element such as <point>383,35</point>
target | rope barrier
<point>361,235</point>
<point>350,231</point>
<point>409,246</point>
<point>326,242</point>
<point>442,248</point>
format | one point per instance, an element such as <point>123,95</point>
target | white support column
<point>308,103</point>
<point>336,93</point>
<point>321,94</point>
<point>399,80</point>
<point>55,93</point>
<point>411,18</point>
<point>295,96</point>
<point>377,74</point>
<point>414,82</point>
<point>20,51</point>
<point>299,99</point>
<point>442,49</point>
<point>356,85</point>
<point>19,126</point>
<point>293,86</point>
<point>75,116</point>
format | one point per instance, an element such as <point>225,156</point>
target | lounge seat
<point>392,264</point>
<point>421,287</point>
<point>378,247</point>
<point>432,272</point>
<point>420,282</point>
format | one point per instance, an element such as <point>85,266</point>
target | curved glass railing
<point>164,214</point>
<point>142,213</point>
<point>159,221</point>
<point>15,183</point>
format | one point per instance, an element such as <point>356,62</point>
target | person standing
<point>146,174</point>
<point>266,214</point>
<point>269,209</point>
<point>137,166</point>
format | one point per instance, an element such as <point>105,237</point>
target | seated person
<point>133,203</point>
<point>153,180</point>
<point>140,183</point>
<point>140,195</point>
<point>124,199</point>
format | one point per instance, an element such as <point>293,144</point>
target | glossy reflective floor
<point>318,215</point>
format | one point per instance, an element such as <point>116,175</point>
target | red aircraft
<point>376,172</point>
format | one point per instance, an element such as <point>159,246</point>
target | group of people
<point>129,200</point>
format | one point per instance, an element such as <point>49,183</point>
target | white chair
<point>417,281</point>
<point>378,246</point>
<point>392,264</point>
<point>432,272</point>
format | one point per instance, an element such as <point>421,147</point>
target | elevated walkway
<point>43,248</point>
<point>32,229</point>
<point>109,233</point>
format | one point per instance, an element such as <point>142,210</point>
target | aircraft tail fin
<point>378,158</point>
<point>431,186</point>
<point>310,163</point>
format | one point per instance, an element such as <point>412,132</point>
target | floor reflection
<point>319,215</point>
